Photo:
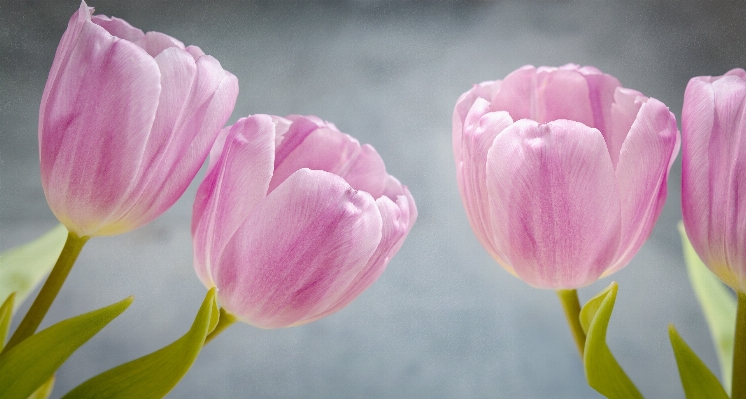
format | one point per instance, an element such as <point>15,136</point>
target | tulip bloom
<point>562,171</point>
<point>713,179</point>
<point>295,219</point>
<point>126,120</point>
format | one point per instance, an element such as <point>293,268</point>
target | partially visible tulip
<point>713,178</point>
<point>562,171</point>
<point>126,120</point>
<point>295,219</point>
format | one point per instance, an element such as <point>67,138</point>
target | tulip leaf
<point>602,371</point>
<point>6,314</point>
<point>44,391</point>
<point>28,365</point>
<point>154,375</point>
<point>697,379</point>
<point>718,306</point>
<point>22,268</point>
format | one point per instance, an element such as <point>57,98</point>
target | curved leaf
<point>6,314</point>
<point>697,379</point>
<point>154,375</point>
<point>22,268</point>
<point>44,391</point>
<point>601,369</point>
<point>718,306</point>
<point>28,365</point>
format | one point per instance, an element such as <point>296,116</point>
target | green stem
<point>738,380</point>
<point>49,291</point>
<point>571,305</point>
<point>225,320</point>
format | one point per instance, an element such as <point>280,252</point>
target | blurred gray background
<point>444,321</point>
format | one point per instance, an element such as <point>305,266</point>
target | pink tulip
<point>562,171</point>
<point>713,178</point>
<point>295,219</point>
<point>126,121</point>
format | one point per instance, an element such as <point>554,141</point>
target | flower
<point>562,171</point>
<point>126,121</point>
<point>295,219</point>
<point>713,176</point>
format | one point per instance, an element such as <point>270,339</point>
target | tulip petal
<point>563,94</point>
<point>624,112</point>
<point>614,108</point>
<point>394,189</point>
<point>736,72</point>
<point>187,124</point>
<point>713,174</point>
<point>366,172</point>
<point>555,204</point>
<point>155,42</point>
<point>697,122</point>
<point>217,148</point>
<point>178,71</point>
<point>232,189</point>
<point>291,138</point>
<point>67,44</point>
<point>397,221</point>
<point>642,174</point>
<point>601,89</point>
<point>544,95</point>
<point>480,129</point>
<point>195,51</point>
<point>484,90</point>
<point>728,202</point>
<point>330,150</point>
<point>517,94</point>
<point>91,145</point>
<point>282,126</point>
<point>118,27</point>
<point>304,243</point>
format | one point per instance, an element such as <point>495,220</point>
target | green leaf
<point>718,306</point>
<point>22,268</point>
<point>28,365</point>
<point>44,391</point>
<point>601,369</point>
<point>156,374</point>
<point>6,314</point>
<point>697,379</point>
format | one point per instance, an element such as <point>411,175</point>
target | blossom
<point>562,171</point>
<point>713,177</point>
<point>295,219</point>
<point>126,120</point>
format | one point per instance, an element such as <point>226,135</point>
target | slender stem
<point>738,380</point>
<point>49,291</point>
<point>225,320</point>
<point>571,305</point>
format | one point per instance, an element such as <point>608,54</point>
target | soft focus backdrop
<point>444,321</point>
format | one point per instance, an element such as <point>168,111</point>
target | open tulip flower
<point>126,120</point>
<point>562,171</point>
<point>294,220</point>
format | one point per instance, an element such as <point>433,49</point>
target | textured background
<point>444,321</point>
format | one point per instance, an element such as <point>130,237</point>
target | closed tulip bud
<point>562,171</point>
<point>713,177</point>
<point>295,219</point>
<point>126,120</point>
